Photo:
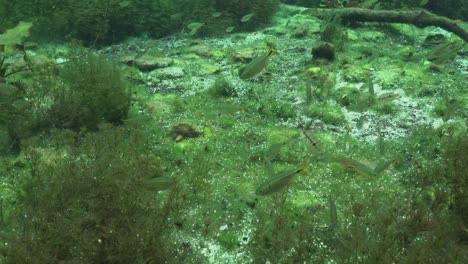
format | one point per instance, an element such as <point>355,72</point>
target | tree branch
<point>417,18</point>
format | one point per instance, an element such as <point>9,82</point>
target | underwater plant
<point>88,202</point>
<point>91,91</point>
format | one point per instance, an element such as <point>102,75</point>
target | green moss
<point>328,114</point>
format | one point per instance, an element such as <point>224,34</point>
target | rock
<point>149,62</point>
<point>324,50</point>
<point>200,50</point>
<point>127,59</point>
<point>300,31</point>
<point>207,69</point>
<point>181,131</point>
<point>173,72</point>
<point>40,61</point>
<point>245,54</point>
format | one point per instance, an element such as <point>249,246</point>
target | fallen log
<point>417,18</point>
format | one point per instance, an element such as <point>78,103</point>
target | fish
<point>387,97</point>
<point>256,65</point>
<point>194,27</point>
<point>364,170</point>
<point>381,141</point>
<point>216,14</point>
<point>314,142</point>
<point>229,29</point>
<point>370,86</point>
<point>383,165</point>
<point>176,16</point>
<point>159,183</point>
<point>355,165</point>
<point>280,180</point>
<point>360,167</point>
<point>274,150</point>
<point>423,2</point>
<point>247,17</point>
<point>333,214</point>
<point>347,139</point>
<point>124,3</point>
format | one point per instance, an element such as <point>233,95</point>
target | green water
<point>127,134</point>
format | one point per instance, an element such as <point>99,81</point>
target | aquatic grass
<point>88,203</point>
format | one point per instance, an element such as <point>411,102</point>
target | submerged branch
<point>417,18</point>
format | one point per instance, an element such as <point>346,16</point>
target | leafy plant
<point>91,91</point>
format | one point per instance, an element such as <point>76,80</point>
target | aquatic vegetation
<point>319,83</point>
<point>222,88</point>
<point>334,33</point>
<point>87,204</point>
<point>197,170</point>
<point>14,37</point>
<point>448,107</point>
<point>91,91</point>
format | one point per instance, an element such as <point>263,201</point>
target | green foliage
<point>85,203</point>
<point>90,91</point>
<point>14,36</point>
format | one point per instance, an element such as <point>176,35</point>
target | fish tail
<point>273,52</point>
<point>302,167</point>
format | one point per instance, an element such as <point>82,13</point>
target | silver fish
<point>279,181</point>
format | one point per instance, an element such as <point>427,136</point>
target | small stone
<point>149,62</point>
<point>243,54</point>
<point>127,59</point>
<point>324,50</point>
<point>182,131</point>
<point>173,72</point>
<point>208,69</point>
<point>200,50</point>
